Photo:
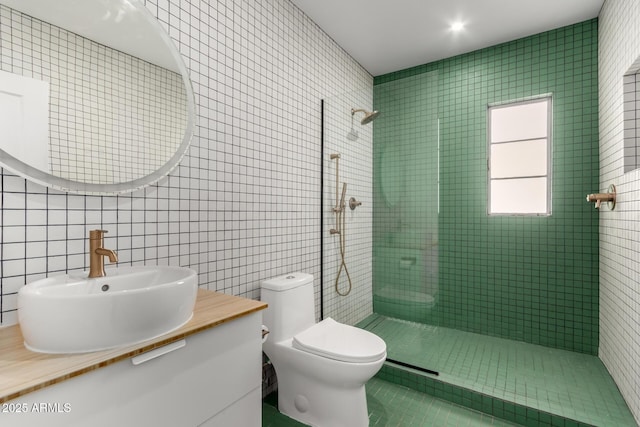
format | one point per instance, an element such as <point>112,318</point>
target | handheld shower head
<point>369,116</point>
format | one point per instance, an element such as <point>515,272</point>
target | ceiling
<point>391,35</point>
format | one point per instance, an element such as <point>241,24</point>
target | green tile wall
<point>533,279</point>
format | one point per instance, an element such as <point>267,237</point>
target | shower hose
<point>343,243</point>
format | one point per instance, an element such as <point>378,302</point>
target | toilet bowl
<point>321,367</point>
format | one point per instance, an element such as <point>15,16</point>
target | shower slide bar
<point>340,204</point>
<point>339,212</point>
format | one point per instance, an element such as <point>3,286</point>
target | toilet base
<point>320,391</point>
<point>322,406</point>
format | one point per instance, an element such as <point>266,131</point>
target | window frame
<point>549,136</point>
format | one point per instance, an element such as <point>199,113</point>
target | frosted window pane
<point>525,121</point>
<point>525,158</point>
<point>528,195</point>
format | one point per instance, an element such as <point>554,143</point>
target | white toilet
<point>321,367</point>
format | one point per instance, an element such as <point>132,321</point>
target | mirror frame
<point>37,176</point>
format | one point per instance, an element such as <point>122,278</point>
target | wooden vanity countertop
<point>23,371</point>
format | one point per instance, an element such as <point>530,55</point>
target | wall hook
<point>609,197</point>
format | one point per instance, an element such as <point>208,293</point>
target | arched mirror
<point>94,96</point>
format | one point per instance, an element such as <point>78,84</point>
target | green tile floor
<point>395,405</point>
<point>571,385</point>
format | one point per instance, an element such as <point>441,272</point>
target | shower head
<point>369,116</point>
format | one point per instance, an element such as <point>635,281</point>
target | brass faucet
<point>97,253</point>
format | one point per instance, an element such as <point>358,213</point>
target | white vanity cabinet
<point>213,380</point>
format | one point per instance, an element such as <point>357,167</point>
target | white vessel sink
<point>75,314</point>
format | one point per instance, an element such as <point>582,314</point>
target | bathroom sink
<point>75,314</point>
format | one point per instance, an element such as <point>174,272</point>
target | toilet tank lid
<point>286,282</point>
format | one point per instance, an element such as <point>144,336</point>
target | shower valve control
<point>353,203</point>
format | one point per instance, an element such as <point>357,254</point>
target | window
<point>519,162</point>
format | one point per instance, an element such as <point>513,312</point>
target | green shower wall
<point>532,279</point>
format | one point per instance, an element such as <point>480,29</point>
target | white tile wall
<point>618,49</point>
<point>244,204</point>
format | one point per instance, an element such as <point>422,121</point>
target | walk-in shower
<point>452,291</point>
<point>504,307</point>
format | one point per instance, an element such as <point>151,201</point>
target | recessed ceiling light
<point>457,26</point>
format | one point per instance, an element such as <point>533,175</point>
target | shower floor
<point>559,382</point>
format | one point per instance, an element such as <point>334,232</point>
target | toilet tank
<point>291,305</point>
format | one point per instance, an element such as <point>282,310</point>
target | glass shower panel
<point>405,198</point>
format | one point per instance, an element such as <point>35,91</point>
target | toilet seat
<point>337,341</point>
